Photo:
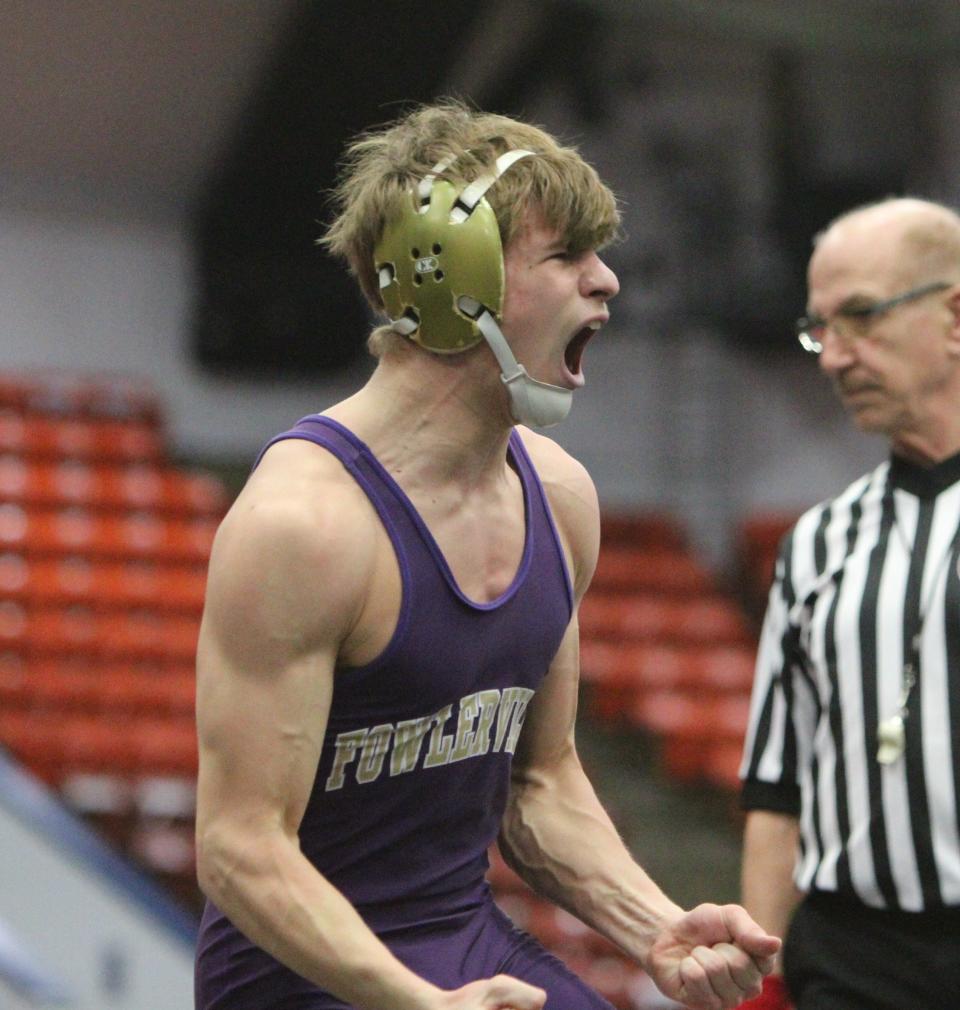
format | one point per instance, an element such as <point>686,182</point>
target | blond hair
<point>381,167</point>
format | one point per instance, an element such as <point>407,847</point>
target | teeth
<point>594,326</point>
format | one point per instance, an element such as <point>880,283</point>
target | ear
<point>953,335</point>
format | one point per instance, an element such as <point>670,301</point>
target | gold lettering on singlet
<point>407,742</point>
<point>375,749</point>
<point>516,723</point>
<point>477,715</point>
<point>346,746</point>
<point>469,710</point>
<point>440,745</point>
<point>513,704</point>
<point>489,703</point>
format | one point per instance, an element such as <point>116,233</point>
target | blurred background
<point>163,169</point>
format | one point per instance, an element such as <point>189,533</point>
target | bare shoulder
<point>297,546</point>
<point>573,500</point>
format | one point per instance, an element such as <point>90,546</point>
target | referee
<point>852,762</point>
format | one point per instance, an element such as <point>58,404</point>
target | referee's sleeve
<point>769,767</point>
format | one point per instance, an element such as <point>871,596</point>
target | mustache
<point>848,386</point>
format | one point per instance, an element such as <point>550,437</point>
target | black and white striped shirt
<point>856,578</point>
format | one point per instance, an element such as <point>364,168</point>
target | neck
<point>932,444</point>
<point>436,419</point>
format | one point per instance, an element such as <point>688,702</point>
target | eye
<point>857,311</point>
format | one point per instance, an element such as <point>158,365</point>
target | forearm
<point>769,855</point>
<point>558,838</point>
<point>271,892</point>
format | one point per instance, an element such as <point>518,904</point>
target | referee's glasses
<point>852,322</point>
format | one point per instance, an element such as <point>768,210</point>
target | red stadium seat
<point>101,635</point>
<point>617,673</point>
<point>55,683</point>
<point>169,538</point>
<point>641,529</point>
<point>87,532</point>
<point>758,540</point>
<point>84,439</point>
<point>35,740</point>
<point>97,745</point>
<point>690,728</point>
<point>171,693</point>
<point>704,619</point>
<point>101,584</point>
<point>165,746</point>
<point>651,570</point>
<point>103,554</point>
<point>46,484</point>
<point>79,395</point>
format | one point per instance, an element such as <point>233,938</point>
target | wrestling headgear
<point>440,267</point>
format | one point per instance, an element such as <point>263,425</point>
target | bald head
<point>884,283</point>
<point>911,239</point>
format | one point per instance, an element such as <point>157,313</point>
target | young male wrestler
<point>388,660</point>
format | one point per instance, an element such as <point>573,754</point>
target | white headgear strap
<point>532,402</point>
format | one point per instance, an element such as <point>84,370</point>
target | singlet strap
<point>537,497</point>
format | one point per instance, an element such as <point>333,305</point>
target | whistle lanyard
<point>891,732</point>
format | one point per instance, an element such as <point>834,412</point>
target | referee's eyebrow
<point>857,300</point>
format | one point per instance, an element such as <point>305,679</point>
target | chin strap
<point>532,402</point>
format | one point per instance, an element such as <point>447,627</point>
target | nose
<point>599,280</point>
<point>836,353</point>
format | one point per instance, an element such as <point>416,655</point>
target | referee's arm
<point>771,795</point>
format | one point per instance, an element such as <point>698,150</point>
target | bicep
<point>260,725</point>
<point>268,644</point>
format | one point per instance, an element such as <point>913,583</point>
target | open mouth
<point>573,354</point>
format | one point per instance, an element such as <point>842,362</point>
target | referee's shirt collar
<point>924,481</point>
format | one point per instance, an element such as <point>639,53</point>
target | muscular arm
<point>556,833</point>
<point>286,589</point>
<point>769,854</point>
<point>558,837</point>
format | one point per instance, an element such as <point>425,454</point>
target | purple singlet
<point>415,766</point>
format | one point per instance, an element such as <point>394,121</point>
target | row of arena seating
<point>75,396</point>
<point>61,484</point>
<point>115,534</point>
<point>83,439</point>
<point>116,690</point>
<point>101,584</point>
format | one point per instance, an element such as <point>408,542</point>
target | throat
<point>481,538</point>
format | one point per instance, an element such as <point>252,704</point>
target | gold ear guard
<point>429,258</point>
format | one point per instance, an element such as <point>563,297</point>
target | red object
<point>773,997</point>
